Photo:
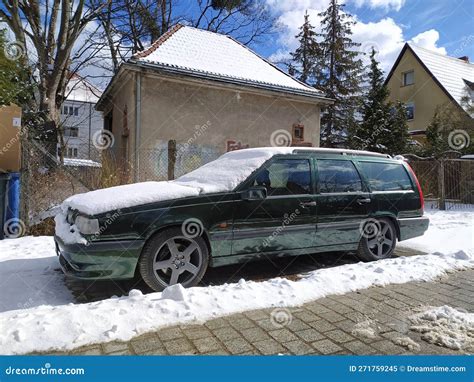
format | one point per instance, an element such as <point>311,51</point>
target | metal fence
<point>447,183</point>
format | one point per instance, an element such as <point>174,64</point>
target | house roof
<point>189,50</point>
<point>453,75</point>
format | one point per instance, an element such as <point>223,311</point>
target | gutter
<point>138,124</point>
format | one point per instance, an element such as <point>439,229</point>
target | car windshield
<point>229,170</point>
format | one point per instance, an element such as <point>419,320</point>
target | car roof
<point>270,151</point>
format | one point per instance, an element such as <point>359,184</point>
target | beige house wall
<point>425,93</point>
<point>203,119</point>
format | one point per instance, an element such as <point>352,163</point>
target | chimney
<point>464,58</point>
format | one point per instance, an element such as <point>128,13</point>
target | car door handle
<point>364,201</point>
<point>308,204</point>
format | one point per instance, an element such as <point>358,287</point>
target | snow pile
<point>366,329</point>
<point>446,326</point>
<point>449,231</point>
<point>64,327</point>
<point>407,342</point>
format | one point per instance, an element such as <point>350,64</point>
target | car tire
<point>171,257</point>
<point>378,241</point>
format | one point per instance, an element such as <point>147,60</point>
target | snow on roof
<point>75,162</point>
<point>208,53</point>
<point>80,90</point>
<point>452,73</point>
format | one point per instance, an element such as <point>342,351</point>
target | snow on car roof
<point>221,175</point>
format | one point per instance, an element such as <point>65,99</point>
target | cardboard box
<point>10,138</point>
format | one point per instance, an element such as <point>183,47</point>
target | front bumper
<point>413,227</point>
<point>99,260</point>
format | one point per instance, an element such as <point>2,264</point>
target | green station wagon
<point>245,205</point>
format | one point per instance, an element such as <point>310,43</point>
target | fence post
<point>441,186</point>
<point>171,158</point>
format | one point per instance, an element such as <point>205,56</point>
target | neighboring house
<point>201,94</point>
<point>424,80</point>
<point>80,120</point>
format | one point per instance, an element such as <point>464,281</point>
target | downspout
<point>90,130</point>
<point>138,124</point>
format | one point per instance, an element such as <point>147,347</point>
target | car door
<point>343,202</point>
<point>285,220</point>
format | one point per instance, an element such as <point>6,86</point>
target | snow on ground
<point>446,326</point>
<point>51,321</point>
<point>449,231</point>
<point>27,274</point>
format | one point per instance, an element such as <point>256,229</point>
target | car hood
<point>129,195</point>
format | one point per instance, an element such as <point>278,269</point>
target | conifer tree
<point>341,73</point>
<point>304,58</point>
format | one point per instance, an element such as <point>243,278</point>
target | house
<point>80,120</point>
<point>425,80</point>
<point>193,95</point>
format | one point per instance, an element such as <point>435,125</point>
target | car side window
<point>337,176</point>
<point>386,176</point>
<point>285,177</point>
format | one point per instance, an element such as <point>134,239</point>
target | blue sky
<point>445,26</point>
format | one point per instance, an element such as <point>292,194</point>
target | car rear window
<point>338,176</point>
<point>386,176</point>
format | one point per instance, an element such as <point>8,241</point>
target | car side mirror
<point>255,193</point>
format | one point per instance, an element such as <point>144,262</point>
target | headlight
<point>87,226</point>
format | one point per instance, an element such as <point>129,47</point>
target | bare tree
<point>50,30</point>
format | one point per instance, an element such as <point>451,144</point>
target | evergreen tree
<point>14,86</point>
<point>340,73</point>
<point>304,57</point>
<point>397,138</point>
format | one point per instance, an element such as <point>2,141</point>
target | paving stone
<point>112,347</point>
<point>195,332</point>
<point>296,324</point>
<point>179,346</point>
<point>283,335</point>
<point>322,325</point>
<point>332,316</point>
<point>268,347</point>
<point>217,323</point>
<point>207,344</point>
<point>387,347</point>
<point>256,315</point>
<point>226,333</point>
<point>338,336</point>
<point>238,346</point>
<point>170,333</point>
<point>326,347</point>
<point>254,334</point>
<point>146,344</point>
<point>306,315</point>
<point>242,323</point>
<point>309,335</point>
<point>359,348</point>
<point>91,350</point>
<point>298,347</point>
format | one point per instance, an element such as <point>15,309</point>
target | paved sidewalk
<point>332,325</point>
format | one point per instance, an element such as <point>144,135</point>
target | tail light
<point>420,192</point>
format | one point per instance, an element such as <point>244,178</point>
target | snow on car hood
<point>221,175</point>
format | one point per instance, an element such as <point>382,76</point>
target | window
<point>71,152</point>
<point>71,132</point>
<point>65,109</point>
<point>285,177</point>
<point>386,176</point>
<point>338,176</point>
<point>298,132</point>
<point>76,111</point>
<point>408,78</point>
<point>410,108</point>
